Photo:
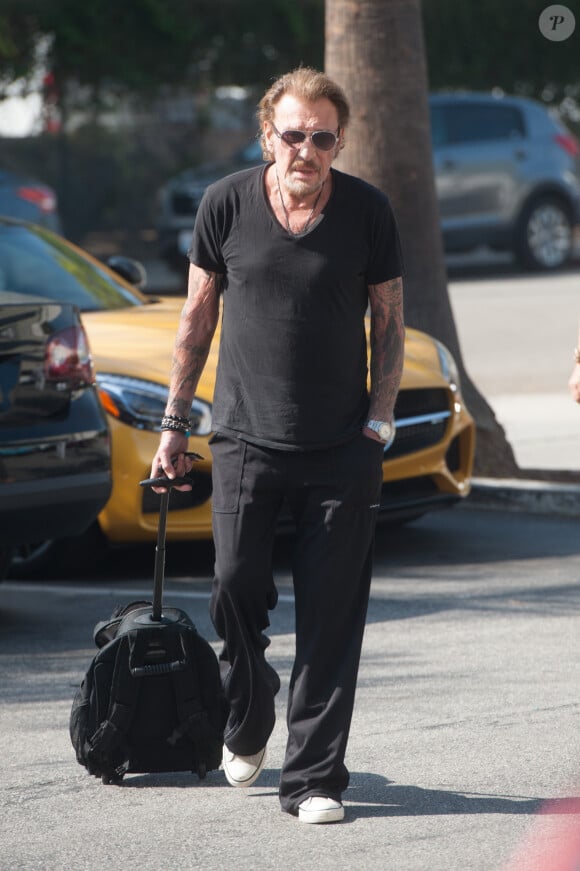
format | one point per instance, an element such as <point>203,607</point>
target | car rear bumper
<point>51,508</point>
<point>55,487</point>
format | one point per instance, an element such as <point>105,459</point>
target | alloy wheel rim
<point>549,235</point>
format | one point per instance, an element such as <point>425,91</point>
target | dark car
<point>55,463</point>
<point>507,174</point>
<point>28,200</point>
<point>179,199</point>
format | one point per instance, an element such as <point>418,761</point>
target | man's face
<point>303,168</point>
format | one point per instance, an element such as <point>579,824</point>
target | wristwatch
<point>384,430</point>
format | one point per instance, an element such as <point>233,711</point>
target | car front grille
<point>421,417</point>
<point>180,499</point>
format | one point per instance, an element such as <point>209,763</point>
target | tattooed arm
<point>387,349</point>
<point>197,326</point>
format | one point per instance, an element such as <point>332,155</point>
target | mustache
<point>305,164</point>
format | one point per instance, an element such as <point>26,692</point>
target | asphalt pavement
<point>465,734</point>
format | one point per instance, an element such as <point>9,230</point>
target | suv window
<point>475,122</point>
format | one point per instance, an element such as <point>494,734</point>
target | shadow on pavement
<point>461,535</point>
<point>374,796</point>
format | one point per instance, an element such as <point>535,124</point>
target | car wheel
<point>544,236</point>
<point>59,557</point>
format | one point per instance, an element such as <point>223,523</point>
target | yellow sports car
<point>131,337</point>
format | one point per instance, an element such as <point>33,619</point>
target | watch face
<point>385,431</point>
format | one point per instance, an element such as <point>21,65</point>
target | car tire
<point>544,237</point>
<point>60,557</point>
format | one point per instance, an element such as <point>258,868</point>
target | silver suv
<point>507,175</point>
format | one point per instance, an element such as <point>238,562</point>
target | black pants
<point>333,496</point>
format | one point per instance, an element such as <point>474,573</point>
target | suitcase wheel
<point>113,779</point>
<point>202,770</point>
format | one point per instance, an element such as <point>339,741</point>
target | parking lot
<point>466,722</point>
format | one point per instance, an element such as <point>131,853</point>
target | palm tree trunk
<point>375,50</point>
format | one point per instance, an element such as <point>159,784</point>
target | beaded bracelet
<point>175,418</point>
<point>176,428</point>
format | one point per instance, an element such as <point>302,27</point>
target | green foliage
<point>138,45</point>
<point>18,38</point>
<point>494,43</point>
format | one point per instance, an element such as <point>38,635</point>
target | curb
<point>534,497</point>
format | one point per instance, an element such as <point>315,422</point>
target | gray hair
<point>306,84</point>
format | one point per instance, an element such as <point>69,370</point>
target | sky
<point>19,116</point>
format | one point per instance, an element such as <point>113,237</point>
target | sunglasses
<point>323,140</point>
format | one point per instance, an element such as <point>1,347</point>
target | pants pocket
<point>360,473</point>
<point>227,469</point>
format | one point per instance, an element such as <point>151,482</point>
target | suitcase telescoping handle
<point>158,576</point>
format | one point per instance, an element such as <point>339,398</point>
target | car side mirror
<point>131,270</point>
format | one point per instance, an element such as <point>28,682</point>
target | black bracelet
<point>176,424</point>
<point>176,428</point>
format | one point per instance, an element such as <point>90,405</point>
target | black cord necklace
<point>287,217</point>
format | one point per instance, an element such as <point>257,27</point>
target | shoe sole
<point>333,815</point>
<point>249,780</point>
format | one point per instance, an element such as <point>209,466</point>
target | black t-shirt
<point>292,369</point>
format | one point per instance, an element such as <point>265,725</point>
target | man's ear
<point>265,139</point>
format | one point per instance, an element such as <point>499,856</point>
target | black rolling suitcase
<point>151,699</point>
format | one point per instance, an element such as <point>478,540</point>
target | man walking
<point>296,251</point>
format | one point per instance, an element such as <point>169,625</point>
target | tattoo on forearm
<point>187,366</point>
<point>387,342</point>
<point>194,337</point>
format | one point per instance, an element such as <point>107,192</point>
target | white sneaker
<point>242,770</point>
<point>320,809</point>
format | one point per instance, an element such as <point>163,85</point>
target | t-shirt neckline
<point>317,221</point>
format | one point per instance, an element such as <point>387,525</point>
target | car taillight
<point>41,196</point>
<point>569,143</point>
<point>68,359</point>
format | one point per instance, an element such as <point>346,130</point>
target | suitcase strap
<point>109,740</point>
<point>193,719</point>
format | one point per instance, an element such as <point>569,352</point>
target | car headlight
<point>448,366</point>
<point>141,403</point>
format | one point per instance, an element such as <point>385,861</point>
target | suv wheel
<point>544,234</point>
